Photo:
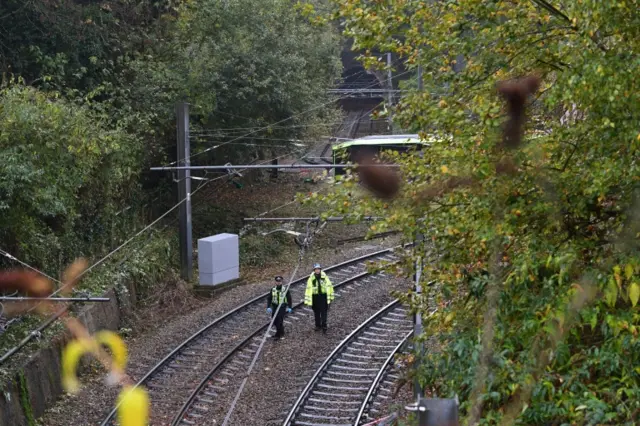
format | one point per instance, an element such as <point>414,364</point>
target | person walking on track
<point>319,295</point>
<point>276,298</point>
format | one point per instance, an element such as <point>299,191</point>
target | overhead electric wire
<point>294,126</point>
<point>50,320</point>
<point>210,132</point>
<point>359,73</point>
<point>278,122</point>
<point>54,317</point>
<point>305,243</point>
<point>26,265</point>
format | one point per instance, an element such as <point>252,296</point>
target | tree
<point>63,176</point>
<point>117,68</point>
<point>534,247</point>
<point>246,65</point>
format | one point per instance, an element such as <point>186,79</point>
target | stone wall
<point>38,383</point>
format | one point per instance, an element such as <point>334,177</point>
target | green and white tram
<point>374,145</point>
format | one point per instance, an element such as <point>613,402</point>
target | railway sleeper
<point>333,401</point>
<point>335,380</point>
<point>205,400</point>
<point>387,332</point>
<point>373,345</point>
<point>370,374</point>
<point>350,362</point>
<point>200,408</point>
<point>370,358</point>
<point>331,394</point>
<point>366,349</point>
<point>373,371</point>
<point>331,409</point>
<point>320,417</point>
<point>352,389</point>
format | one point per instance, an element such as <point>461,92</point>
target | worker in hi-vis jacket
<point>319,295</point>
<point>276,298</point>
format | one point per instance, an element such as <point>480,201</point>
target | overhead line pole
<point>390,90</point>
<point>184,191</point>
<point>431,411</point>
<point>418,318</point>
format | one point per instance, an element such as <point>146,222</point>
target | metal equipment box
<point>218,259</point>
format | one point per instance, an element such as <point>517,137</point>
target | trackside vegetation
<point>538,267</point>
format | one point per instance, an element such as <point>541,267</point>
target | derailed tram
<point>349,151</point>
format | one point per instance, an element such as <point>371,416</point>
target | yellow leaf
<point>118,349</point>
<point>611,293</point>
<point>449,318</point>
<point>70,357</point>
<point>628,271</point>
<point>133,407</point>
<point>634,293</point>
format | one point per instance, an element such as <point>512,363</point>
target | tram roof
<point>409,139</point>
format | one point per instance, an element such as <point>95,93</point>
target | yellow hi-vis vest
<point>325,287</point>
<point>278,297</point>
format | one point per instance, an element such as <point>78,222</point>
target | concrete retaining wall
<point>38,383</point>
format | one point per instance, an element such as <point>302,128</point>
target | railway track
<point>207,403</point>
<point>381,389</point>
<point>175,378</point>
<point>343,389</point>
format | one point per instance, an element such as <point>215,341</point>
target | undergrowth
<point>146,263</point>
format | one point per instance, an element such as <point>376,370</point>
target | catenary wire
<point>278,122</point>
<point>305,243</point>
<point>55,316</point>
<point>204,183</point>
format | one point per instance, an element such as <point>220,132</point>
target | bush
<point>256,250</point>
<point>63,177</point>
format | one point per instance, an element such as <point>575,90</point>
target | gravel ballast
<point>96,400</point>
<point>284,367</point>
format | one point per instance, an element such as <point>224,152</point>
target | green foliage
<point>147,262</point>
<point>109,75</point>
<point>63,176</point>
<point>76,46</point>
<point>25,400</point>
<point>257,250</point>
<point>244,64</point>
<point>563,228</point>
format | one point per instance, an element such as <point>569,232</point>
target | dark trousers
<point>279,319</point>
<point>320,309</point>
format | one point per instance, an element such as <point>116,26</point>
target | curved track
<point>382,387</point>
<point>200,406</point>
<point>174,379</point>
<point>339,392</point>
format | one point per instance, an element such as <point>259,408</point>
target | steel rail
<point>229,314</point>
<point>316,376</point>
<point>214,370</point>
<point>378,378</point>
<point>53,299</point>
<point>273,166</point>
